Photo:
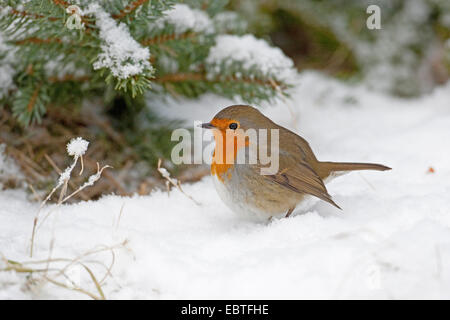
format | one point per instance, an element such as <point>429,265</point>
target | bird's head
<point>232,128</point>
<point>238,117</point>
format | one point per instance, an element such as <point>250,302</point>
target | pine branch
<point>168,37</point>
<point>182,54</point>
<point>62,3</point>
<point>37,41</point>
<point>182,77</point>
<point>32,15</point>
<point>33,99</point>
<point>30,103</point>
<point>68,78</point>
<point>129,9</point>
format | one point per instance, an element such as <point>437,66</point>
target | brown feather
<point>324,169</point>
<point>298,176</point>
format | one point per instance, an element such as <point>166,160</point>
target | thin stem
<point>129,9</point>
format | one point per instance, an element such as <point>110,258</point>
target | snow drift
<point>392,239</point>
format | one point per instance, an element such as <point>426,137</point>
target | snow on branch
<point>7,71</point>
<point>251,55</point>
<point>184,18</point>
<point>130,8</point>
<point>121,54</point>
<point>77,147</point>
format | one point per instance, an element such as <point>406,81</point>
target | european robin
<point>241,184</point>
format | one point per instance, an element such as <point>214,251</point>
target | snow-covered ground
<point>392,239</point>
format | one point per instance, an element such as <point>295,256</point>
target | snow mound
<point>391,241</point>
<point>184,18</point>
<point>251,54</point>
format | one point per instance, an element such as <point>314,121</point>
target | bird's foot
<point>289,212</point>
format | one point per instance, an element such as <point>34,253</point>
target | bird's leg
<point>289,212</point>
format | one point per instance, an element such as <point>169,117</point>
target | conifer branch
<point>38,41</point>
<point>60,3</point>
<point>181,77</point>
<point>33,99</point>
<point>63,3</point>
<point>129,9</point>
<point>168,37</point>
<point>185,66</point>
<point>68,78</point>
<point>32,15</point>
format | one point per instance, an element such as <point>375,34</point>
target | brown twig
<point>168,37</point>
<point>176,183</point>
<point>181,77</point>
<point>63,285</point>
<point>33,99</point>
<point>35,40</point>
<point>58,170</point>
<point>67,78</point>
<point>32,15</point>
<point>36,196</point>
<point>62,3</point>
<point>129,9</point>
<point>26,163</point>
<point>112,179</point>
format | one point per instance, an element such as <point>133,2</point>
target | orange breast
<point>219,170</point>
<point>225,153</point>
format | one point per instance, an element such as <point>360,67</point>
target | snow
<point>164,172</point>
<point>391,241</point>
<point>6,79</point>
<point>251,54</point>
<point>185,18</point>
<point>77,147</point>
<point>7,71</point>
<point>227,21</point>
<point>123,55</point>
<point>9,170</point>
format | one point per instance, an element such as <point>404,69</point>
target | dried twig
<point>129,9</point>
<point>58,170</point>
<point>51,274</point>
<point>174,182</point>
<point>168,37</point>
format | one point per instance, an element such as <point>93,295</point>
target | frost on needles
<point>121,54</point>
<point>128,48</point>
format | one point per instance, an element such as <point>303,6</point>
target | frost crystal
<point>123,55</point>
<point>164,172</point>
<point>77,147</point>
<point>65,176</point>
<point>251,54</point>
<point>184,18</point>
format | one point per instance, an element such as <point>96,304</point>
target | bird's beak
<point>207,125</point>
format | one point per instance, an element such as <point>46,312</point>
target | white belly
<point>234,199</point>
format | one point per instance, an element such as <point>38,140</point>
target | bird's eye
<point>233,126</point>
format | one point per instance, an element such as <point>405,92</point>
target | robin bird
<point>242,186</point>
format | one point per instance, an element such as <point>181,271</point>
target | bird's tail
<point>326,167</point>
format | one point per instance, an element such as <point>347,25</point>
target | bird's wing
<point>297,175</point>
